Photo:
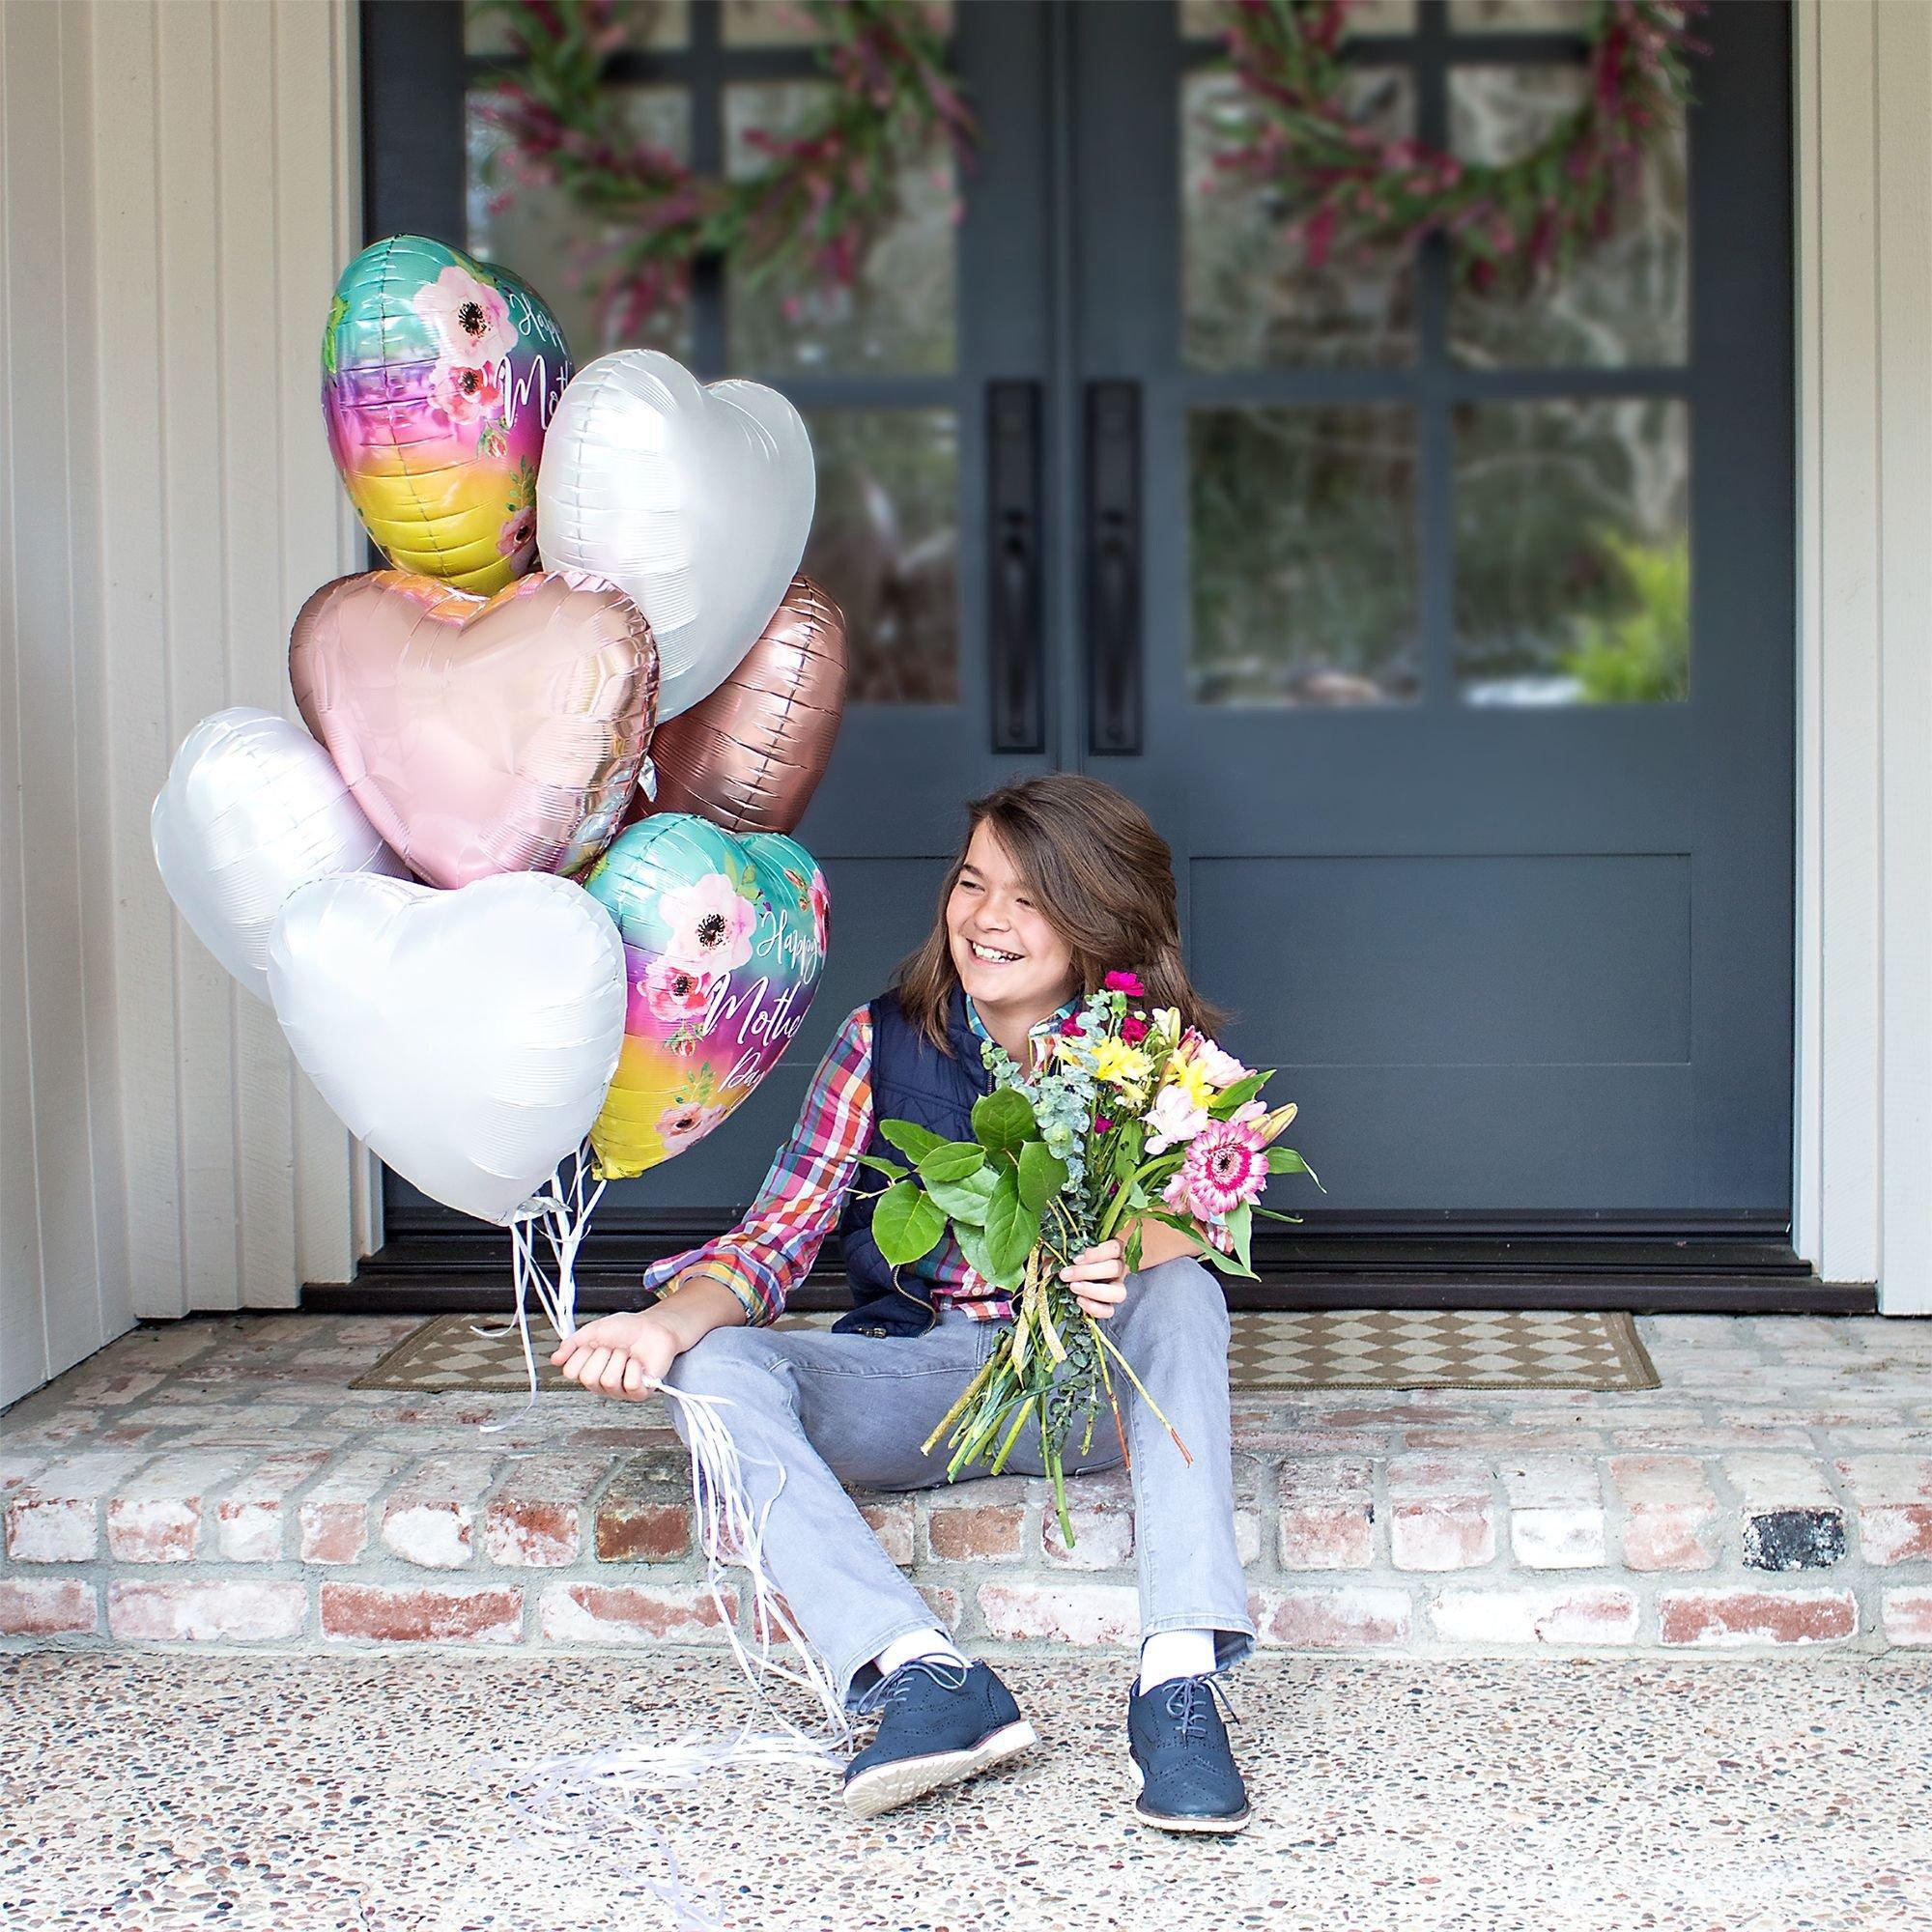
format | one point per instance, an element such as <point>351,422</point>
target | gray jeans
<point>831,1410</point>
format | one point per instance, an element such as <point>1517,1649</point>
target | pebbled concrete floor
<point>290,1793</point>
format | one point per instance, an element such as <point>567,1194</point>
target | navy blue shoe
<point>1189,1779</point>
<point>941,1722</point>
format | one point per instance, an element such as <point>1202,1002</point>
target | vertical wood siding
<point>180,187</point>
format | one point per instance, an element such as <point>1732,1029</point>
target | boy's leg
<point>809,1413</point>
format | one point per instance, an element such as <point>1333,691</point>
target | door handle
<point>1114,567</point>
<point>1016,644</point>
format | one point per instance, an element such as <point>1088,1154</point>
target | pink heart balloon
<point>481,735</point>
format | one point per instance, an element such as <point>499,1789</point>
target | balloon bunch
<point>520,894</point>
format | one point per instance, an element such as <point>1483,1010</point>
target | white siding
<point>180,189</point>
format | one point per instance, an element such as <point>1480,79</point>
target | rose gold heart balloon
<point>749,756</point>
<point>481,735</point>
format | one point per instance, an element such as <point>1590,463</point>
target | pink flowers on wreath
<point>1128,983</point>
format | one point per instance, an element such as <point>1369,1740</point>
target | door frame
<point>1850,1150</point>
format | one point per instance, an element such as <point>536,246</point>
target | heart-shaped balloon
<point>724,943</point>
<point>466,1036</point>
<point>481,735</point>
<point>254,810</point>
<point>749,756</point>
<point>695,500</point>
<point>439,375</point>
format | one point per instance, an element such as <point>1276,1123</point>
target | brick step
<point>216,1482</point>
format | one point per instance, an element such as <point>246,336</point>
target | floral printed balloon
<point>723,942</point>
<point>439,375</point>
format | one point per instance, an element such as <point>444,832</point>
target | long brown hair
<point>1099,872</point>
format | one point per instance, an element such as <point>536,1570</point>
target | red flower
<point>1072,1029</point>
<point>1101,1124</point>
<point>1133,1028</point>
<point>1128,983</point>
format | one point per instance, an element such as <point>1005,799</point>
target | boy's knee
<point>721,1356</point>
<point>1185,1290</point>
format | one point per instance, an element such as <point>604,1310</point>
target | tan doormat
<point>1391,1349</point>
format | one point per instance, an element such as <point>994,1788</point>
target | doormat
<point>1270,1353</point>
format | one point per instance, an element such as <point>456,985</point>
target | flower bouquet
<point>1130,1118</point>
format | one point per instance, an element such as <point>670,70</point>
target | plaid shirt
<point>771,1249</point>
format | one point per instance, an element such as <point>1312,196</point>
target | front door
<point>1447,636</point>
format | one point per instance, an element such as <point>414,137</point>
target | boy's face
<point>1006,953</point>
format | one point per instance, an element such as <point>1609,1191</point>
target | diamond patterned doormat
<point>1392,1348</point>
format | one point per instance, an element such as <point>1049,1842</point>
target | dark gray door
<point>1449,639</point>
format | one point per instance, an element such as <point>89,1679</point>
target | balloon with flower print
<point>724,943</point>
<point>439,375</point>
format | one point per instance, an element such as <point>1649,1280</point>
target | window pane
<point>1250,299</point>
<point>539,233</point>
<point>774,23</point>
<point>1573,556</point>
<point>1624,299</point>
<point>1301,531</point>
<point>885,547</point>
<point>646,23</point>
<point>1207,19</point>
<point>900,314</point>
<point>1522,16</point>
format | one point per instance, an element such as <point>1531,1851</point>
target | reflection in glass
<point>1207,19</point>
<point>885,547</point>
<point>1522,17</point>
<point>898,316</point>
<point>1250,299</point>
<point>1573,558</point>
<point>775,24</point>
<point>646,23</point>
<point>1301,526</point>
<point>539,233</point>
<point>1623,300</point>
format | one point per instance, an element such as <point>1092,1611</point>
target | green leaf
<point>951,1160</point>
<point>906,1224</point>
<point>1041,1176</point>
<point>1003,1123</point>
<point>1285,1160</point>
<point>1131,1254</point>
<point>891,1168</point>
<point>1241,1228</point>
<point>912,1140</point>
<point>1011,1228</point>
<point>974,1246</point>
<point>966,1201</point>
<point>1236,1096</point>
<point>1127,1142</point>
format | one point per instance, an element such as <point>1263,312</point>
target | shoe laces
<point>1189,1699</point>
<point>890,1691</point>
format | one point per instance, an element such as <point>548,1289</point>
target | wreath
<point>1290,129</point>
<point>826,194</point>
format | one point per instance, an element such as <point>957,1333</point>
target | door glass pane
<point>539,233</point>
<point>645,23</point>
<point>1573,555</point>
<point>1623,300</point>
<point>898,317</point>
<point>1209,19</point>
<point>885,547</point>
<point>1522,16</point>
<point>1301,531</point>
<point>1250,297</point>
<point>774,23</point>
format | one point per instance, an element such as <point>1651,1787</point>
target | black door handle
<point>1016,646</point>
<point>1114,567</point>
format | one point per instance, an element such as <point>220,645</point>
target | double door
<point>1446,635</point>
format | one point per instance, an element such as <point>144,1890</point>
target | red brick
<point>977,1532</point>
<point>1718,1618</point>
<point>896,1525</point>
<point>422,1612</point>
<point>1538,1615</point>
<point>430,1520</point>
<point>1101,1508</point>
<point>156,1516</point>
<point>644,1515</point>
<point>1078,1613</point>
<point>334,1514</point>
<point>1670,1515</point>
<point>251,1519</point>
<point>48,1607</point>
<point>533,1518</point>
<point>1327,1515</point>
<point>633,1613</point>
<point>1353,1616</point>
<point>1893,1495</point>
<point>54,1517</point>
<point>1908,1617</point>
<point>217,1611</point>
<point>1557,1512</point>
<point>1441,1515</point>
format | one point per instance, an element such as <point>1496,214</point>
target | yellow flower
<point>1120,1064</point>
<point>1187,1074</point>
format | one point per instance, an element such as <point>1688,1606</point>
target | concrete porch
<point>215,1481</point>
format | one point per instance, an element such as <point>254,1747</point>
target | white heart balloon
<point>467,1036</point>
<point>254,810</point>
<point>695,502</point>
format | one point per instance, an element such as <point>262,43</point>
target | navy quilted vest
<point>912,1080</point>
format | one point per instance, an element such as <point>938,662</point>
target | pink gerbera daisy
<point>1226,1166</point>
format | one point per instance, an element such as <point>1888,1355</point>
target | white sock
<point>1169,1653</point>
<point>916,1644</point>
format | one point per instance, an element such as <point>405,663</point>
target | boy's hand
<point>625,1355</point>
<point>1098,1279</point>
